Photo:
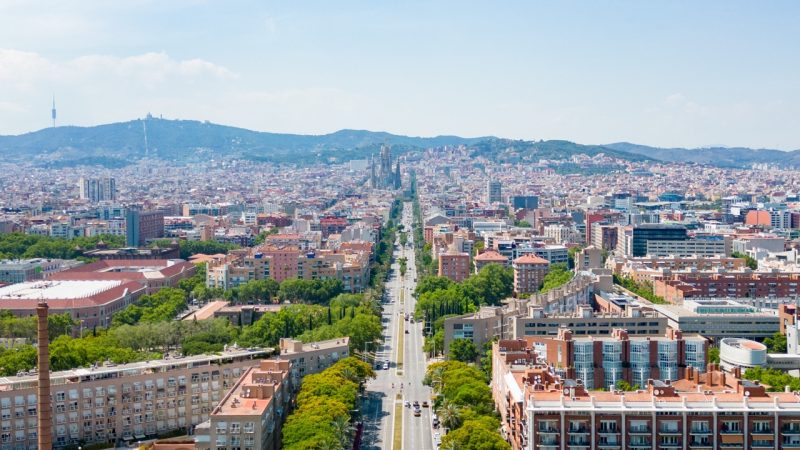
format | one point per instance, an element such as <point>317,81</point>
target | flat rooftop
<point>132,369</point>
<point>49,289</point>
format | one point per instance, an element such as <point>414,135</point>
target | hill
<point>182,141</point>
<point>717,156</point>
<point>187,140</point>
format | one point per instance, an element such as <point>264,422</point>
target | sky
<point>661,73</point>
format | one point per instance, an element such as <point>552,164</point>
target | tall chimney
<point>45,424</point>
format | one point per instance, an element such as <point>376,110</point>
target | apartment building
<point>489,257</point>
<point>649,268</point>
<point>529,273</point>
<point>454,265</point>
<point>600,362</point>
<point>711,410</point>
<point>122,403</point>
<point>250,415</point>
<point>680,285</point>
<point>351,266</point>
<point>313,357</point>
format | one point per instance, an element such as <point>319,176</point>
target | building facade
<point>122,403</point>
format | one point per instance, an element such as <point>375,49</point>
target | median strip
<point>397,443</point>
<point>401,339</point>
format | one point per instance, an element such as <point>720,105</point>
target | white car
<point>386,366</point>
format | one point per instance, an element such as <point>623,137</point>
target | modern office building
<point>524,201</point>
<point>143,226</point>
<point>706,246</point>
<point>494,192</point>
<point>644,233</point>
<point>720,318</point>
<point>122,403</point>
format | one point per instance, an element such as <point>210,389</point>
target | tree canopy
<point>324,403</point>
<point>463,350</point>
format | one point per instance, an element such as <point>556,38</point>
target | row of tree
<point>25,328</point>
<point>165,304</point>
<point>322,415</point>
<point>644,290</point>
<point>19,245</point>
<point>189,248</point>
<point>465,406</point>
<point>557,276</point>
<point>439,298</point>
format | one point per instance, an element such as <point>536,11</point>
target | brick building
<point>529,273</point>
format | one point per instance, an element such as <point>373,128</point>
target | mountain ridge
<point>118,144</point>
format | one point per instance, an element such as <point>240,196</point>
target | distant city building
<point>143,226</point>
<point>21,270</point>
<point>494,192</point>
<point>524,201</point>
<point>97,189</point>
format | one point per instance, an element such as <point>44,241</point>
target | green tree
<point>776,343</point>
<point>558,275</point>
<point>713,355</point>
<point>463,350</point>
<point>475,435</point>
<point>748,260</point>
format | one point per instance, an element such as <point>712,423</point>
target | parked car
<point>386,365</point>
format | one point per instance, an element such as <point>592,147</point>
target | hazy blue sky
<point>666,73</point>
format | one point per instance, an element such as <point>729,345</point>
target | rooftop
<point>254,391</point>
<point>35,290</point>
<point>169,362</point>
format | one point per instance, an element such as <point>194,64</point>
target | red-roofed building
<point>153,274</point>
<point>529,273</point>
<point>489,257</point>
<point>90,302</point>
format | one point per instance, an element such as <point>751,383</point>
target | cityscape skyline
<point>655,74</point>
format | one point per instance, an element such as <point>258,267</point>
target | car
<point>386,366</point>
<point>424,403</point>
<point>417,413</point>
<point>406,331</point>
<point>416,404</point>
<point>407,404</point>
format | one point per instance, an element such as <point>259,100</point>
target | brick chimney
<point>45,422</point>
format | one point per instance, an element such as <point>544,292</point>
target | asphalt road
<point>405,379</point>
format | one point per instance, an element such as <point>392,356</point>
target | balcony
<point>639,430</point>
